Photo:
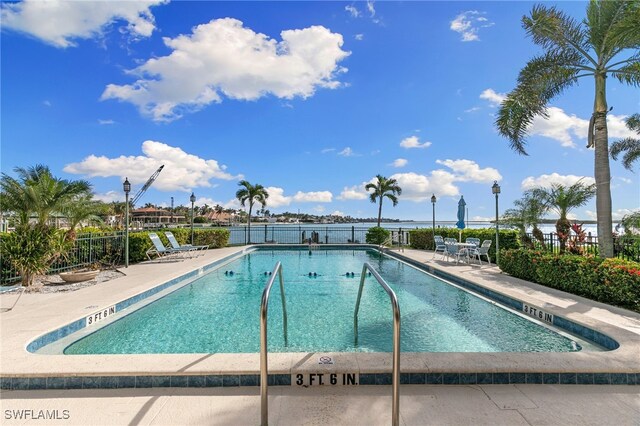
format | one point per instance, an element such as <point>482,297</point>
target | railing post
<point>90,247</point>
<point>353,234</point>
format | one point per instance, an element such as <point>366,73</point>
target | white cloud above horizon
<point>470,171</point>
<point>355,192</point>
<point>545,181</point>
<point>347,152</point>
<point>400,162</point>
<point>413,142</point>
<point>469,23</point>
<point>60,23</point>
<point>182,171</point>
<point>277,198</point>
<point>223,58</point>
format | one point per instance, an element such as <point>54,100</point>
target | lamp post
<point>171,221</point>
<point>193,200</point>
<point>496,190</point>
<point>433,216</point>
<point>126,186</point>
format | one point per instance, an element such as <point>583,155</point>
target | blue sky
<point>309,99</point>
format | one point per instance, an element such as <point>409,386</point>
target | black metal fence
<point>624,247</point>
<point>261,234</point>
<point>106,249</point>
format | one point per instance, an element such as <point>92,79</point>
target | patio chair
<point>17,288</point>
<point>452,251</point>
<point>159,249</point>
<point>471,240</point>
<point>176,245</point>
<point>440,247</point>
<point>483,250</point>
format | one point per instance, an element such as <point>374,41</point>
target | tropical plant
<point>82,209</point>
<point>38,192</point>
<point>377,235</point>
<point>383,187</point>
<point>253,194</point>
<point>527,212</point>
<point>562,200</point>
<point>572,50</point>
<point>630,146</point>
<point>631,223</point>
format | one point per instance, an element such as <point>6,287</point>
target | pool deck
<point>523,403</point>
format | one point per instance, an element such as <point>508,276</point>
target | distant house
<point>150,217</point>
<point>222,218</point>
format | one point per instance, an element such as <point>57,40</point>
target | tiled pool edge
<point>558,321</point>
<point>236,380</point>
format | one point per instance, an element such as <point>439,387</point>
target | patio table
<point>465,247</point>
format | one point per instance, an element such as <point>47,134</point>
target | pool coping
<point>20,369</point>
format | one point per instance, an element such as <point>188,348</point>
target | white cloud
<point>399,162</point>
<point>313,197</point>
<point>109,196</point>
<point>413,142</point>
<point>326,150</point>
<point>347,152</point>
<point>468,23</point>
<point>181,172</point>
<point>337,213</point>
<point>355,192</point>
<point>319,209</point>
<point>624,180</point>
<point>277,197</point>
<point>223,57</point>
<point>105,122</point>
<point>46,103</point>
<point>470,171</point>
<point>493,97</point>
<point>616,215</point>
<point>353,11</point>
<point>359,37</point>
<point>418,188</point>
<point>371,8</point>
<point>617,128</point>
<point>60,22</point>
<point>472,109</point>
<point>546,181</point>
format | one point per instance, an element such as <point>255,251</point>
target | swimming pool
<point>219,312</point>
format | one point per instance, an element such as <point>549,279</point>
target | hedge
<point>139,242</point>
<point>612,281</point>
<point>423,238</point>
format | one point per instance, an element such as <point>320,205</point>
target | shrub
<point>612,281</point>
<point>423,238</point>
<point>377,235</point>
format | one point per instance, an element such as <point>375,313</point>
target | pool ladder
<point>264,376</point>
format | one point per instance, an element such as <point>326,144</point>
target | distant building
<point>150,217</point>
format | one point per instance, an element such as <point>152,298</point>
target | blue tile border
<point>253,380</point>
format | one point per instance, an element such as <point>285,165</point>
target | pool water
<point>220,312</point>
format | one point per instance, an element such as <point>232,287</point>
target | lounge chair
<point>176,245</point>
<point>17,288</point>
<point>159,248</point>
<point>440,247</point>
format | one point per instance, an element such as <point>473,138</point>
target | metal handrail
<point>264,375</point>
<point>395,383</point>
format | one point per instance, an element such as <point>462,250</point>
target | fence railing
<point>88,249</point>
<point>624,247</point>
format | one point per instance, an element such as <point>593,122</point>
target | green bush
<point>139,242</point>
<point>612,281</point>
<point>423,238</point>
<point>377,235</point>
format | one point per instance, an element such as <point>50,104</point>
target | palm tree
<point>382,188</point>
<point>37,191</point>
<point>573,50</point>
<point>252,193</point>
<point>82,208</point>
<point>527,212</point>
<point>563,199</point>
<point>630,145</point>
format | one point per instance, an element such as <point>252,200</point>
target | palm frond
<point>557,32</point>
<point>613,26</point>
<point>542,79</point>
<point>628,74</point>
<point>631,149</point>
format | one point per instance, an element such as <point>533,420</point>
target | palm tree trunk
<point>380,211</point>
<point>602,171</point>
<point>249,224</point>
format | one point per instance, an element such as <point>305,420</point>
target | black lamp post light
<point>126,186</point>
<point>496,190</point>
<point>193,200</point>
<point>433,216</point>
